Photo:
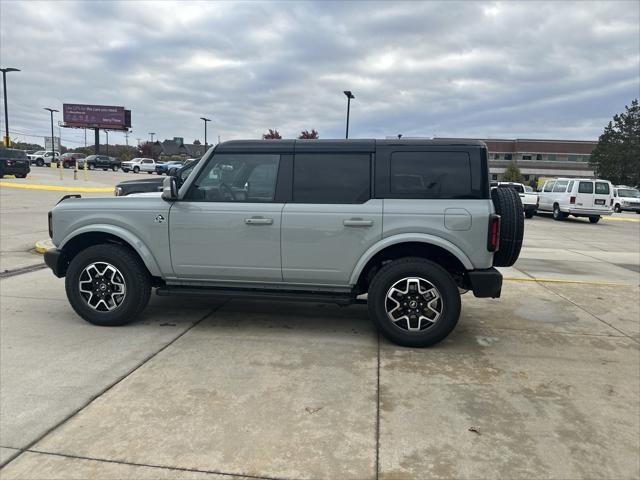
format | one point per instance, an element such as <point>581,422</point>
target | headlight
<point>625,203</point>
<point>117,191</point>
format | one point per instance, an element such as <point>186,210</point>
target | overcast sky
<point>470,69</point>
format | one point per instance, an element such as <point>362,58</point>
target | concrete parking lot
<point>542,383</point>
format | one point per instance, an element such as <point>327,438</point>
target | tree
<point>617,155</point>
<point>512,173</point>
<point>196,142</point>
<point>310,135</point>
<point>146,150</point>
<point>271,135</point>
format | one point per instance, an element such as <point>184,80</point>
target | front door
<point>227,228</point>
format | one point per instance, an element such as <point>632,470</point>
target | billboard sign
<point>56,142</point>
<point>93,116</point>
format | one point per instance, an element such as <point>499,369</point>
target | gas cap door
<point>457,219</point>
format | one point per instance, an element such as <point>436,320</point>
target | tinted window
<point>331,178</point>
<point>585,187</point>
<point>602,188</point>
<point>560,186</point>
<point>431,175</point>
<point>549,186</point>
<point>17,154</point>
<point>241,177</point>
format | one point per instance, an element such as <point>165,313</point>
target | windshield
<point>516,186</point>
<point>40,152</point>
<point>528,189</point>
<point>628,192</point>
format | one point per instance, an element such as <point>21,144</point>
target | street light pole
<point>152,134</point>
<point>349,97</point>
<point>53,145</point>
<point>107,133</point>
<point>205,120</point>
<point>6,111</point>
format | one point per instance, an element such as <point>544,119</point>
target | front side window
<point>548,187</point>
<point>432,175</point>
<point>560,186</point>
<point>331,178</point>
<point>585,187</point>
<point>602,188</point>
<point>236,177</point>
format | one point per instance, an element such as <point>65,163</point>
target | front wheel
<point>136,169</point>
<point>114,168</point>
<point>39,162</point>
<point>617,208</point>
<point>149,173</point>
<point>107,285</point>
<point>414,302</point>
<point>91,166</point>
<point>529,213</point>
<point>594,218</point>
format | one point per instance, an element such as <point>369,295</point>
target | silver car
<point>410,223</point>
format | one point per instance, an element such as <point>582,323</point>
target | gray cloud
<point>527,69</point>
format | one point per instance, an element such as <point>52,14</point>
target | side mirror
<point>170,189</point>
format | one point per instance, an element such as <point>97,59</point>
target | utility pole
<point>107,133</point>
<point>126,138</point>
<point>349,97</point>
<point>205,120</point>
<point>4,71</point>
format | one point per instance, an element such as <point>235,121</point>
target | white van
<point>626,199</point>
<point>580,197</point>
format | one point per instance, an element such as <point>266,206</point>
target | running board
<point>281,295</point>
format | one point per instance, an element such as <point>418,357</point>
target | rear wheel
<point>414,302</point>
<point>107,285</point>
<point>149,173</point>
<point>114,168</point>
<point>617,208</point>
<point>557,213</point>
<point>24,175</point>
<point>594,218</point>
<point>529,213</point>
<point>509,206</point>
<point>39,162</point>
<point>91,166</point>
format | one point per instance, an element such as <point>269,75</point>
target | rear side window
<point>431,175</point>
<point>548,187</point>
<point>561,186</point>
<point>585,187</point>
<point>602,188</point>
<point>331,178</point>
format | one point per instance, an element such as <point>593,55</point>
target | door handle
<point>258,221</point>
<point>357,222</point>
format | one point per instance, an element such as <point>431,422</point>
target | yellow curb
<point>43,245</point>
<point>621,219</point>
<point>575,282</point>
<point>57,188</point>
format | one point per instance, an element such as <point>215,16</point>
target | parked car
<point>140,165</point>
<point>69,159</point>
<point>163,168</point>
<point>626,199</point>
<point>173,169</point>
<point>579,197</point>
<point>43,157</point>
<point>529,199</point>
<point>153,184</point>
<point>99,161</point>
<point>14,162</point>
<point>320,221</point>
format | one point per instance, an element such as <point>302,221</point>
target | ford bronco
<point>409,223</point>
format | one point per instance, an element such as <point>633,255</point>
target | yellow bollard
<point>60,167</point>
<point>75,171</point>
<point>84,166</point>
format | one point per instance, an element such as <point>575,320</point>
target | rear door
<point>546,196</point>
<point>148,165</point>
<point>602,196</point>
<point>585,198</point>
<point>332,218</point>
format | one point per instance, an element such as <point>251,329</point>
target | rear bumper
<point>485,283</point>
<point>587,212</point>
<point>56,261</point>
<point>15,169</point>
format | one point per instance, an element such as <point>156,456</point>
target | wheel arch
<point>426,246</point>
<point>90,235</point>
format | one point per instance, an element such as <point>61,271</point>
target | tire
<point>39,162</point>
<point>509,206</point>
<point>529,214</point>
<point>557,213</point>
<point>125,170</point>
<point>19,176</point>
<point>594,218</point>
<point>617,208</point>
<point>91,166</point>
<point>136,169</point>
<point>114,168</point>
<point>130,271</point>
<point>394,274</point>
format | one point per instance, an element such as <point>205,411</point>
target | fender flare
<point>405,238</point>
<point>138,245</point>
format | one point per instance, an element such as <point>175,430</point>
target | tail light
<point>572,200</point>
<point>493,239</point>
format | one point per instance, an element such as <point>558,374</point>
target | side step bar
<point>281,295</point>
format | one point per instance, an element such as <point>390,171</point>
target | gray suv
<point>410,223</point>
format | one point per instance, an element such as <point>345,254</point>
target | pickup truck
<point>99,161</point>
<point>529,198</point>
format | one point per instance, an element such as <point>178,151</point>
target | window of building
<point>526,178</point>
<point>551,157</point>
<point>508,156</point>
<point>538,156</point>
<point>331,178</point>
<point>586,158</point>
<point>572,158</point>
<point>229,177</point>
<point>431,175</point>
<point>526,157</point>
<point>496,156</point>
<point>494,176</point>
<point>585,187</point>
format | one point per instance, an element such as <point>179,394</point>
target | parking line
<point>57,188</point>
<point>575,282</point>
<point>622,219</point>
